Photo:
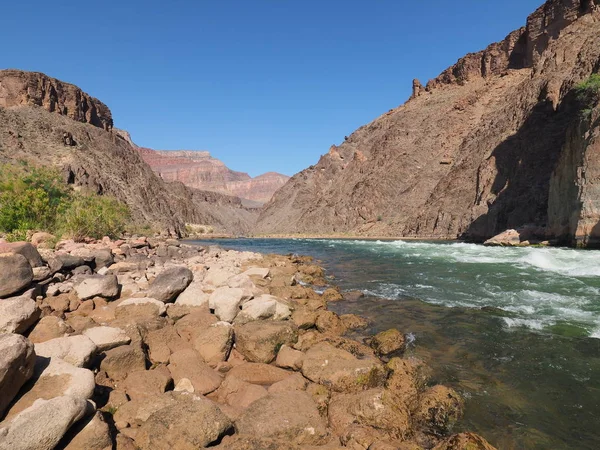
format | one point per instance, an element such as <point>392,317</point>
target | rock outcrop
<point>45,121</point>
<point>497,141</point>
<point>198,169</point>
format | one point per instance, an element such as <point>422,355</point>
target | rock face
<point>497,141</point>
<point>197,169</point>
<point>36,112</point>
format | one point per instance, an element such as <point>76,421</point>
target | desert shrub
<point>31,198</point>
<point>588,91</point>
<point>94,216</point>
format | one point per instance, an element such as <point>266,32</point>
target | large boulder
<point>192,422</point>
<point>119,362</point>
<point>188,364</point>
<point>106,338</point>
<point>226,302</point>
<point>170,283</point>
<point>147,383</point>
<point>15,273</point>
<point>42,425</point>
<point>260,341</point>
<point>17,314</point>
<point>66,261</point>
<point>439,408</point>
<point>17,359</point>
<point>238,393</point>
<point>193,295</point>
<point>140,307</point>
<point>214,343</point>
<point>190,326</point>
<point>292,416</point>
<point>258,373</point>
<point>387,342</point>
<point>374,408</point>
<point>76,350</point>
<point>90,433</point>
<point>55,378</point>
<point>164,342</point>
<point>49,327</point>
<point>341,370</point>
<point>23,248</point>
<point>106,286</point>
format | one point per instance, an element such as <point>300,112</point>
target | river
<point>515,330</point>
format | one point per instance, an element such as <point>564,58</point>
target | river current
<point>515,330</point>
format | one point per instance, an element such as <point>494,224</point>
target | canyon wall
<point>472,153</point>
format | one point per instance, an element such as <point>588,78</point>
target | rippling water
<point>516,330</point>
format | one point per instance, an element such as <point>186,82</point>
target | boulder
<point>76,350</point>
<point>106,338</point>
<point>193,295</point>
<point>438,410</point>
<point>136,412</point>
<point>162,343</point>
<point>17,314</point>
<point>17,359</point>
<point>238,393</point>
<point>330,322</point>
<point>217,277</point>
<point>292,416</point>
<point>42,425</point>
<point>508,238</point>
<point>140,307</point>
<point>354,322</point>
<point>260,341</point>
<point>68,261</point>
<point>41,273</point>
<point>288,358</point>
<point>15,273</point>
<point>374,408</point>
<point>257,373</point>
<point>188,364</point>
<point>295,382</point>
<point>256,309</point>
<point>146,383</point>
<point>226,302</point>
<point>170,283</point>
<point>387,342</point>
<point>54,378</point>
<point>23,248</point>
<point>340,370</point>
<point>194,323</point>
<point>90,433</point>
<point>214,343</point>
<point>464,441</point>
<point>106,286</point>
<point>121,361</point>
<point>192,422</point>
<point>262,272</point>
<point>41,239</point>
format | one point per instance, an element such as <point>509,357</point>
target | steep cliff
<point>469,155</point>
<point>198,169</point>
<point>40,122</point>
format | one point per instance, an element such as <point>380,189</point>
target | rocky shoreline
<point>149,343</point>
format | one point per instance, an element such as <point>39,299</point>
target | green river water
<point>515,330</point>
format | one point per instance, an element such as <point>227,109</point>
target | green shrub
<point>588,91</point>
<point>94,216</point>
<point>31,198</point>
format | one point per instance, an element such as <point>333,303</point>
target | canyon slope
<point>499,140</point>
<point>45,121</point>
<point>198,169</point>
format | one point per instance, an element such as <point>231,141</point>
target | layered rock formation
<point>198,169</point>
<point>496,141</point>
<point>45,121</point>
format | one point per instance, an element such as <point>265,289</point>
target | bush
<point>30,199</point>
<point>94,216</point>
<point>36,198</point>
<point>588,91</point>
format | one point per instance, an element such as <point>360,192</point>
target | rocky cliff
<point>45,121</point>
<point>198,169</point>
<point>483,147</point>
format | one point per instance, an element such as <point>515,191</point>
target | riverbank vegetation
<point>37,199</point>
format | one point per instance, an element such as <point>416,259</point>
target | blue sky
<point>262,84</point>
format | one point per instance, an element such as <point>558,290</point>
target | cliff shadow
<point>525,162</point>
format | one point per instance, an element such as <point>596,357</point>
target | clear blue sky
<point>262,84</point>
